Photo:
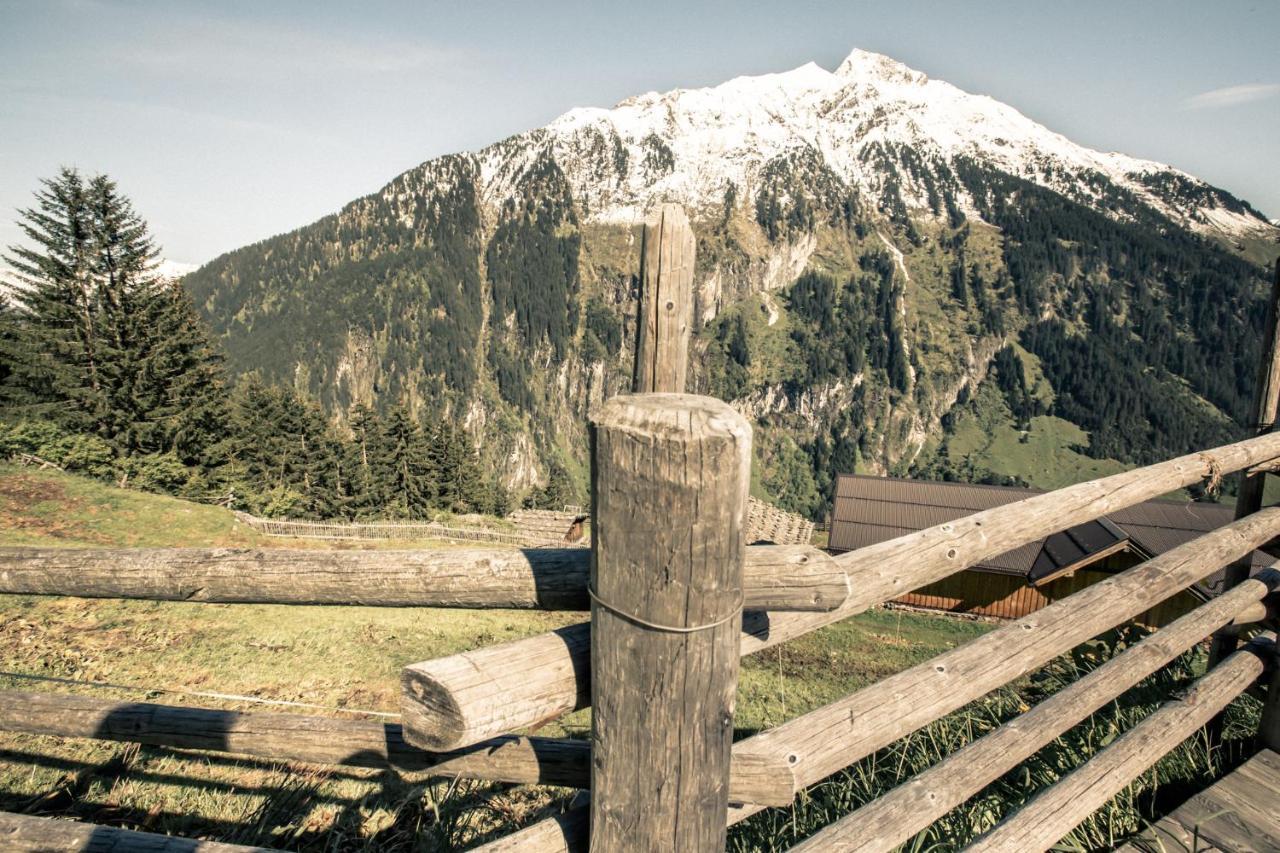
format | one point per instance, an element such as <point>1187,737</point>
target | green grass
<point>1044,456</point>
<point>1186,770</point>
<point>350,657</point>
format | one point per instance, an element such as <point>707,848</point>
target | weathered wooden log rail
<point>676,599</point>
<point>479,694</point>
<point>311,739</point>
<point>790,577</point>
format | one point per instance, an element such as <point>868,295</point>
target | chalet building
<point>873,509</point>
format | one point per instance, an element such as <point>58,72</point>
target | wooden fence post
<point>665,317</point>
<point>1262,418</point>
<point>669,484</point>
<point>1269,725</point>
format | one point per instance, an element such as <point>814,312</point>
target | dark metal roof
<point>875,509</point>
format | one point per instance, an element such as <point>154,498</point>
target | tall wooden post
<point>1262,418</point>
<point>669,480</point>
<point>666,301</point>
<point>669,486</point>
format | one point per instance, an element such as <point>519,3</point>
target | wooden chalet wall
<point>1004,596</point>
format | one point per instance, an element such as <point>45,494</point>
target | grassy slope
<point>328,656</point>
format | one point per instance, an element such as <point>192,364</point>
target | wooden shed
<point>874,509</point>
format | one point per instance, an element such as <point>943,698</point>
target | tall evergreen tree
<point>99,342</point>
<point>405,468</point>
<point>188,395</point>
<point>283,452</point>
<point>359,457</point>
<point>55,372</point>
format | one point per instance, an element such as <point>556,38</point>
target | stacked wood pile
<point>539,528</point>
<point>406,530</point>
<point>767,523</point>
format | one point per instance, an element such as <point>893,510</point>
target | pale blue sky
<point>228,122</point>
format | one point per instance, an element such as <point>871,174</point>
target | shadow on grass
<point>415,816</point>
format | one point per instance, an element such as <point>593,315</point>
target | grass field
<point>350,657</point>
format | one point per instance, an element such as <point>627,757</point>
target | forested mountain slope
<point>870,243</point>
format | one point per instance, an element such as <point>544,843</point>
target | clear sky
<point>228,121</point>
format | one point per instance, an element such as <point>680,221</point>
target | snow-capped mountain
<point>874,249</point>
<point>690,145</point>
<point>170,269</point>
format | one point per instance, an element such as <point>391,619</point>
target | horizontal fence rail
<point>889,821</point>
<point>311,739</point>
<point>20,833</point>
<point>798,577</point>
<point>478,694</point>
<point>385,530</point>
<point>1058,809</point>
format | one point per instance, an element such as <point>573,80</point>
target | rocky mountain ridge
<point>869,240</point>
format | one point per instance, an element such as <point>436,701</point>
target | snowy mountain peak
<point>169,269</point>
<point>873,126</point>
<point>863,65</point>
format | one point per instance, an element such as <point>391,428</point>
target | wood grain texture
<point>786,577</point>
<point>887,822</point>
<point>21,833</point>
<point>669,477</point>
<point>1059,808</point>
<point>665,319</point>
<point>479,694</point>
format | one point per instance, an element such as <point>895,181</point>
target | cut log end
<point>432,720</point>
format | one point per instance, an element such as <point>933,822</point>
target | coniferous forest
<point>107,370</point>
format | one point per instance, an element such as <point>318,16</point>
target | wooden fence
<point>676,598</point>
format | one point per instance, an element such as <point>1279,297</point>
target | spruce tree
<point>55,371</point>
<point>359,456</point>
<point>405,471</point>
<point>99,343</point>
<point>126,289</point>
<point>188,396</point>
<point>460,483</point>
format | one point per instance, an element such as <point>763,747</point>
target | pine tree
<point>188,395</point>
<point>282,452</point>
<point>55,372</point>
<point>459,484</point>
<point>359,455</point>
<point>126,290</point>
<point>100,344</point>
<point>405,470</point>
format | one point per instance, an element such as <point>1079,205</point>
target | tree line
<point>106,369</point>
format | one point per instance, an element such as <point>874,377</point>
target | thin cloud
<point>225,47</point>
<point>1230,96</point>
